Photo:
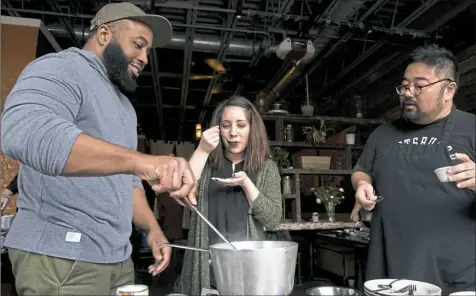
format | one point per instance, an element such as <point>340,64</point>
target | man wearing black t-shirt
<point>422,229</point>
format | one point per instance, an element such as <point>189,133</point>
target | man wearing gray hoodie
<point>69,123</point>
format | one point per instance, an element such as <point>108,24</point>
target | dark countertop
<point>345,239</point>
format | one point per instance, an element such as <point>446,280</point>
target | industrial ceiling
<point>361,47</point>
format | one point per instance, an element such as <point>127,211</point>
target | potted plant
<point>330,196</point>
<point>350,136</point>
<point>280,157</point>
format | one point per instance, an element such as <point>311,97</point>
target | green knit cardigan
<point>264,214</point>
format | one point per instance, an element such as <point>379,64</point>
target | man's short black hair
<point>440,58</point>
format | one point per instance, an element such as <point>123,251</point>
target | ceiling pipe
<point>340,11</point>
<point>203,43</point>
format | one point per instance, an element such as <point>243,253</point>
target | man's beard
<point>117,67</point>
<point>415,115</point>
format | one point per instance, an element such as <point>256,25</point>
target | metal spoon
<point>225,141</point>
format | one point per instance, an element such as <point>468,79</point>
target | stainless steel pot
<point>331,291</point>
<point>254,267</point>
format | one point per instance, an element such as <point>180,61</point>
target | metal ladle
<point>194,209</point>
<point>213,227</point>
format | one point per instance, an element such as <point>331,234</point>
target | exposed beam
<point>168,106</point>
<point>8,5</point>
<point>157,91</point>
<point>54,6</point>
<point>456,10</point>
<point>463,5</point>
<point>317,62</point>
<point>371,75</point>
<point>232,21</point>
<point>407,21</point>
<point>339,10</point>
<point>283,9</point>
<point>467,53</point>
<point>446,17</point>
<point>187,63</point>
<point>467,65</point>
<point>468,78</point>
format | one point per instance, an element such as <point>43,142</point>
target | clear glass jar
<point>315,217</point>
<point>288,133</point>
<point>287,185</point>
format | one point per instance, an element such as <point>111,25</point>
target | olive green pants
<point>37,274</point>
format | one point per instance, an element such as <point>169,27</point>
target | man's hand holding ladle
<point>168,174</point>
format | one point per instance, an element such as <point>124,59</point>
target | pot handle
<point>206,291</point>
<point>182,247</point>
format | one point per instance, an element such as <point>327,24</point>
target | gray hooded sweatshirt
<point>56,98</point>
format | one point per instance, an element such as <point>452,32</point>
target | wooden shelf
<point>289,196</point>
<point>309,145</point>
<point>316,119</point>
<point>281,120</point>
<point>315,172</point>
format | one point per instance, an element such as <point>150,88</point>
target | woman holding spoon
<point>238,187</point>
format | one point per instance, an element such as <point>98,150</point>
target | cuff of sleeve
<point>359,168</point>
<point>258,206</point>
<point>137,183</point>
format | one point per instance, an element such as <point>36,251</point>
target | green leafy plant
<point>280,157</point>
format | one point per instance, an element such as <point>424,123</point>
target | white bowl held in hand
<point>442,174</point>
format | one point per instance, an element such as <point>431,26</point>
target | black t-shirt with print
<point>402,132</point>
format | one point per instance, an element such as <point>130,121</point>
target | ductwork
<point>342,12</point>
<point>203,43</point>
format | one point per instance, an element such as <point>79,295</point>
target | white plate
<point>372,287</point>
<point>464,293</point>
<point>278,111</point>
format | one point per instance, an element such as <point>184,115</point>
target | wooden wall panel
<point>18,49</point>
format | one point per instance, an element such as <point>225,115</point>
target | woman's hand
<point>210,139</point>
<point>237,179</point>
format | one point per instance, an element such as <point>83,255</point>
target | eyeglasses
<point>416,89</point>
